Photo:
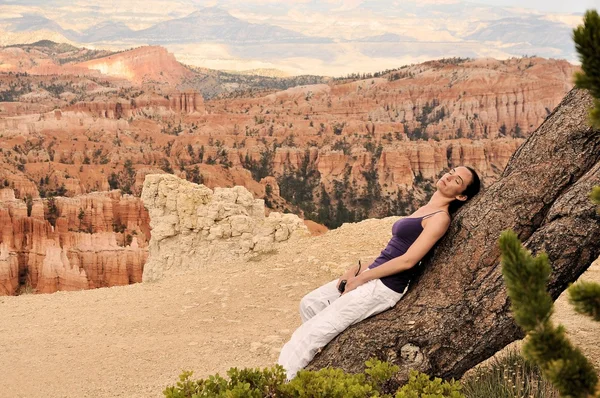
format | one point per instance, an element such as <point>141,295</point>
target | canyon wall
<point>89,241</point>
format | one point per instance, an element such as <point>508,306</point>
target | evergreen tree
<point>587,43</point>
<point>526,278</point>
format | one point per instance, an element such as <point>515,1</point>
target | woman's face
<point>454,182</point>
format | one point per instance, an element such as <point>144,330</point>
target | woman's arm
<point>436,228</point>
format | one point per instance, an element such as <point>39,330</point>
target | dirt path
<point>133,341</point>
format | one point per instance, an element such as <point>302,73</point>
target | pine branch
<point>526,279</point>
<point>587,43</point>
<point>585,297</point>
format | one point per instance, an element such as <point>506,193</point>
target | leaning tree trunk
<point>456,313</point>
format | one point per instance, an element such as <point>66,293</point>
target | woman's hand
<point>352,283</point>
<point>349,274</point>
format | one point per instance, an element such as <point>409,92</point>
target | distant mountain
<point>385,38</point>
<point>528,31</point>
<point>106,31</point>
<point>210,24</point>
<point>213,24</point>
<point>308,37</point>
<point>32,22</point>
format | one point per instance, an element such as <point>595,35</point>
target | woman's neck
<point>439,201</point>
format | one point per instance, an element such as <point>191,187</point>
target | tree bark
<point>456,313</point>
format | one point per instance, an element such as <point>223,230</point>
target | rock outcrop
<point>94,240</point>
<point>193,225</point>
<point>147,65</point>
<point>176,102</point>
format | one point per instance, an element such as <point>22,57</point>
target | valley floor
<point>135,340</point>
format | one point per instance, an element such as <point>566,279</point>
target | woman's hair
<point>471,190</point>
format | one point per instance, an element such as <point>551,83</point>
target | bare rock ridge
<point>144,65</point>
<point>193,225</point>
<point>93,240</point>
<point>117,108</point>
<point>457,313</point>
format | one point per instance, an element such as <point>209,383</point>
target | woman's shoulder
<point>439,219</point>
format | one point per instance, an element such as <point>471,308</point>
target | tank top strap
<point>431,214</point>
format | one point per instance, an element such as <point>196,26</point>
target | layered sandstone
<point>473,99</point>
<point>89,241</point>
<point>119,108</point>
<point>193,225</point>
<point>150,65</point>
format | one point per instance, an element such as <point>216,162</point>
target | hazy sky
<point>568,6</point>
<point>562,6</point>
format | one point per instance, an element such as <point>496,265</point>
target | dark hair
<point>471,190</point>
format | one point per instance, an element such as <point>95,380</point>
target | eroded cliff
<point>89,241</point>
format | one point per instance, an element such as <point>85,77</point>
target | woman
<point>325,313</point>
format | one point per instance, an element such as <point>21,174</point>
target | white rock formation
<point>193,226</point>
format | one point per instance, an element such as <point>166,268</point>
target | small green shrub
<point>421,386</point>
<point>245,383</point>
<point>324,383</point>
<point>335,383</point>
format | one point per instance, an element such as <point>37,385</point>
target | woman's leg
<point>369,299</point>
<point>316,301</point>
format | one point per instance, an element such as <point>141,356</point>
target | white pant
<point>325,314</point>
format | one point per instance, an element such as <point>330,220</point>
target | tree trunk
<point>456,313</point>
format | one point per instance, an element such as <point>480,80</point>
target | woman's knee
<point>306,306</point>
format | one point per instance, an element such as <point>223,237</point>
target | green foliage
<point>233,85</point>
<point>595,196</point>
<point>262,168</point>
<point>297,185</point>
<point>324,383</point>
<point>587,43</point>
<point>128,239</point>
<point>245,383</point>
<point>510,376</point>
<point>335,383</point>
<point>29,204</point>
<point>172,129</point>
<point>14,91</point>
<point>338,128</point>
<point>585,298</point>
<point>123,180</point>
<point>46,192</point>
<point>166,166</point>
<point>223,159</point>
<point>526,278</point>
<point>194,175</point>
<point>420,386</point>
<point>329,383</point>
<point>53,212</point>
<point>342,145</point>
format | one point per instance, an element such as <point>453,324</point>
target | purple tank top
<point>404,232</point>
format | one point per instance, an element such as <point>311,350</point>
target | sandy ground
<point>135,340</point>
